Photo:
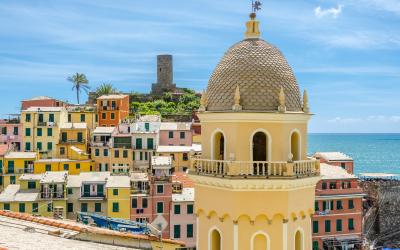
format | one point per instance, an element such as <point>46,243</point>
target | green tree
<point>167,97</point>
<point>105,89</point>
<point>80,83</point>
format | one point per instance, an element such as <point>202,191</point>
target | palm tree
<point>105,89</point>
<point>80,83</point>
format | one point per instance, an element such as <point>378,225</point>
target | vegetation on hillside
<point>105,89</point>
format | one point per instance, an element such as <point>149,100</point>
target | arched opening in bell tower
<point>215,243</point>
<point>298,240</point>
<point>218,146</point>
<point>295,145</point>
<point>260,146</point>
<point>260,242</point>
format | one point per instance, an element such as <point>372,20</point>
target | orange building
<point>337,222</point>
<point>112,109</point>
<point>337,159</point>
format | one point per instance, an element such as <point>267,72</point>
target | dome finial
<point>282,101</point>
<point>253,25</point>
<point>306,108</point>
<point>237,106</point>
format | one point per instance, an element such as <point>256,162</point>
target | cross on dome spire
<point>252,25</point>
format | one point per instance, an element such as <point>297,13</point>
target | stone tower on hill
<point>164,76</point>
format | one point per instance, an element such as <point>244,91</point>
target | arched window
<point>218,146</point>
<point>260,242</point>
<point>215,243</point>
<point>260,147</point>
<point>295,145</point>
<point>298,240</point>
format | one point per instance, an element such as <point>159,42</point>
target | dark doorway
<point>260,147</point>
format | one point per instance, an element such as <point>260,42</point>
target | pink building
<point>152,195</point>
<point>175,134</point>
<point>11,133</point>
<point>42,101</point>
<point>183,219</point>
<point>336,159</point>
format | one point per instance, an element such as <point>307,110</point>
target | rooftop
<point>149,118</point>
<point>31,177</point>
<point>104,130</point>
<point>12,194</point>
<point>20,155</point>
<point>186,195</point>
<point>107,97</point>
<point>178,149</point>
<point>161,161</point>
<point>139,177</point>
<point>183,178</point>
<point>334,172</point>
<point>118,181</point>
<point>44,109</point>
<point>175,126</point>
<point>76,180</point>
<point>333,156</point>
<point>59,160</point>
<point>39,98</point>
<point>70,125</point>
<point>56,177</point>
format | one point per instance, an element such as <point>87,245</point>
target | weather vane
<point>256,6</point>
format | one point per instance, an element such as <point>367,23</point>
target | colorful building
<point>41,128</point>
<point>118,197</point>
<point>11,133</point>
<point>101,145</point>
<point>42,101</point>
<point>73,143</point>
<point>83,114</point>
<point>112,109</point>
<point>176,134</point>
<point>16,164</point>
<point>73,167</point>
<point>180,155</point>
<point>337,222</point>
<point>254,185</point>
<point>337,159</point>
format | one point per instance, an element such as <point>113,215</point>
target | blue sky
<point>345,53</point>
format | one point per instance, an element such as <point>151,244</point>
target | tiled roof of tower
<point>260,70</point>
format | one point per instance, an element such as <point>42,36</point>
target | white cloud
<point>377,119</point>
<point>332,12</point>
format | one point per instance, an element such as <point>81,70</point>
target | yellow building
<point>254,183</point>
<point>42,194</point>
<point>73,143</point>
<point>180,155</point>
<point>41,129</point>
<point>83,114</point>
<point>118,197</point>
<point>15,164</point>
<point>73,167</point>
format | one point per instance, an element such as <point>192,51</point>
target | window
<point>39,146</point>
<point>172,156</point>
<point>50,207</point>
<point>15,131</point>
<point>28,146</point>
<point>189,209</point>
<point>171,134</point>
<point>103,115</point>
<point>141,156</point>
<point>160,189</point>
<point>28,117</point>
<point>138,143</point>
<point>49,146</point>
<point>315,227</point>
<point>6,206</point>
<point>315,245</point>
<point>116,153</point>
<point>112,116</point>
<point>189,230</point>
<point>80,136</point>
<point>51,117</point>
<point>49,132</point>
<point>115,192</point>
<point>177,231</point>
<point>70,207</point>
<point>343,165</point>
<point>316,206</point>
<point>39,132</point>
<point>27,131</point>
<point>96,152</point>
<point>69,191</point>
<point>324,185</point>
<point>150,143</point>
<point>4,130</point>
<point>351,204</point>
<point>339,205</point>
<point>327,226</point>
<point>115,207</point>
<point>66,167</point>
<point>12,180</point>
<point>125,153</point>
<point>97,207</point>
<point>177,209</point>
<point>160,207</point>
<point>134,155</point>
<point>64,137</point>
<point>48,167</point>
<point>182,135</point>
<point>144,203</point>
<point>10,167</point>
<point>145,156</point>
<point>31,185</point>
<point>22,207</point>
<point>332,185</point>
<point>351,224</point>
<point>69,118</point>
<point>338,225</point>
<point>35,207</point>
<point>62,151</point>
<point>105,152</point>
<point>134,203</point>
<point>83,118</point>
<point>185,157</point>
<point>84,207</point>
<point>147,126</point>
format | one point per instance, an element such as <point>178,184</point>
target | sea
<point>372,153</point>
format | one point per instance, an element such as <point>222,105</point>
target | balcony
<point>82,141</point>
<point>255,169</point>
<point>101,144</point>
<point>140,191</point>
<point>107,108</point>
<point>92,196</point>
<point>46,124</point>
<point>52,195</point>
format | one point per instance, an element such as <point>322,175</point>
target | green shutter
<point>316,206</point>
<point>27,132</point>
<point>115,207</point>
<point>189,230</point>
<point>49,131</point>
<point>22,207</point>
<point>150,143</point>
<point>177,209</point>
<point>97,207</point>
<point>84,207</point>
<point>189,209</point>
<point>177,231</point>
<point>35,207</point>
<point>327,226</point>
<point>338,225</point>
<point>315,227</point>
<point>351,224</point>
<point>160,207</point>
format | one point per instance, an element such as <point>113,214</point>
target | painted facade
<point>180,155</point>
<point>118,197</point>
<point>11,133</point>
<point>73,143</point>
<point>42,101</point>
<point>112,109</point>
<point>83,114</point>
<point>16,164</point>
<point>337,159</point>
<point>73,167</point>
<point>176,134</point>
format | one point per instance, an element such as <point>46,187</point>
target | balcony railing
<point>109,108</point>
<point>93,195</point>
<point>101,144</point>
<point>46,124</point>
<point>52,195</point>
<point>139,191</point>
<point>82,141</point>
<point>262,169</point>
